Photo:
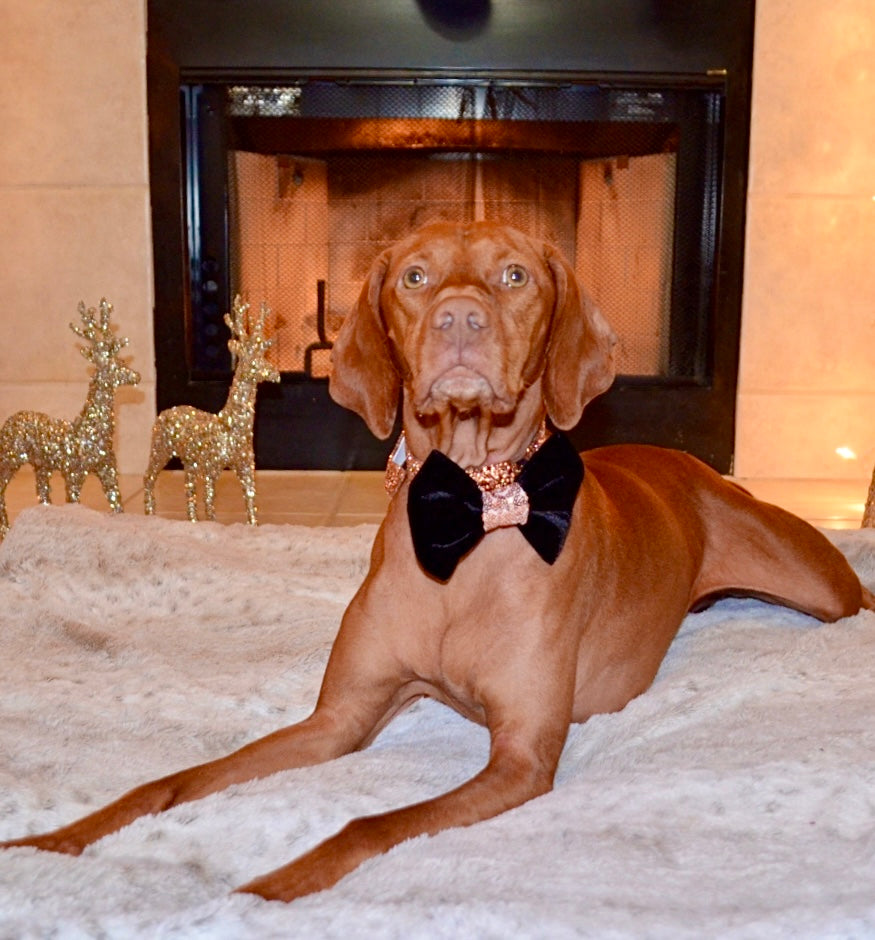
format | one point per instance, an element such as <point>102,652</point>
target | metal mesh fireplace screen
<point>325,175</point>
<point>300,220</point>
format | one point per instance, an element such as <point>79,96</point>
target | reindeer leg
<point>159,456</point>
<point>246,475</point>
<point>73,485</point>
<point>43,485</point>
<point>149,492</point>
<point>191,494</point>
<point>210,497</point>
<point>4,518</point>
<point>7,475</point>
<point>108,476</point>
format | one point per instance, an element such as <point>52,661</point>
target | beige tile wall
<point>74,203</point>
<point>807,378</point>
<point>74,223</point>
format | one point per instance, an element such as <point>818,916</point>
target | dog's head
<point>467,317</point>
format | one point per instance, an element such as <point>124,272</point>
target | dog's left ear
<point>363,375</point>
<point>580,350</point>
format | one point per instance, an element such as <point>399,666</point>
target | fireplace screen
<point>319,177</point>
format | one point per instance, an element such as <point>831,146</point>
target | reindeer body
<point>73,448</point>
<point>206,443</point>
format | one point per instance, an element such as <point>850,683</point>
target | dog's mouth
<point>462,407</point>
<point>464,390</point>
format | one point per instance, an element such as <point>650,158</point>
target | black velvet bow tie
<point>445,506</point>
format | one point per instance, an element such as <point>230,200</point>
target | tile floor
<point>325,497</point>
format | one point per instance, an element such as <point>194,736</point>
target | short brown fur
<point>481,360</point>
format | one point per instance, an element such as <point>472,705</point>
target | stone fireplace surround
<point>74,223</point>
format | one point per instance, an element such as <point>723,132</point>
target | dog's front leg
<point>520,767</point>
<point>358,696</point>
<point>316,739</point>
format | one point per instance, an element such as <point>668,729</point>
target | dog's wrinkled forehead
<point>476,252</point>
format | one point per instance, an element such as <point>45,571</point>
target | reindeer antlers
<point>97,330</point>
<point>243,331</point>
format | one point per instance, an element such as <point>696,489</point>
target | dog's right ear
<point>363,375</point>
<point>580,357</point>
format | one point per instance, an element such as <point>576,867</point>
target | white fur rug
<point>736,798</point>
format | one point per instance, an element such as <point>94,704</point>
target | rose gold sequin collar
<point>489,477</point>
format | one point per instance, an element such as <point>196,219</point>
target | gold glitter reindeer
<point>869,509</point>
<point>82,446</point>
<point>206,443</point>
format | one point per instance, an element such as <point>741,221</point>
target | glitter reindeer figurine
<point>869,509</point>
<point>206,443</point>
<point>82,446</point>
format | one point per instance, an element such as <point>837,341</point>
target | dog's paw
<point>48,842</point>
<point>274,887</point>
<point>305,875</point>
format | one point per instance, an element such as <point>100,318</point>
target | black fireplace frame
<point>635,43</point>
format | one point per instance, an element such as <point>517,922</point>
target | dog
<point>511,580</point>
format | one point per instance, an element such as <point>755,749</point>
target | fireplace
<point>283,184</point>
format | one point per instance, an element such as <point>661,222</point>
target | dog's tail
<point>868,599</point>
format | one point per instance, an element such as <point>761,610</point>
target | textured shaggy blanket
<point>736,798</point>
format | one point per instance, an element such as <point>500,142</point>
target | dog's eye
<point>515,275</point>
<point>414,277</point>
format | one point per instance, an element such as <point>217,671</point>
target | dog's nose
<point>460,313</point>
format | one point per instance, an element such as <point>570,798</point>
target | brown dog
<point>526,623</point>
